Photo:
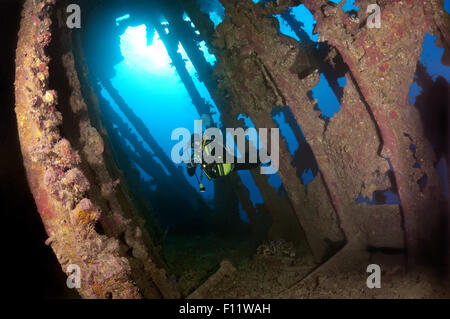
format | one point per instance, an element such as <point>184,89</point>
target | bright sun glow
<point>153,58</point>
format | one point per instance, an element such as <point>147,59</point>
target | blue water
<point>249,182</point>
<point>414,91</point>
<point>247,120</point>
<point>391,199</point>
<point>307,177</point>
<point>366,200</point>
<point>298,147</point>
<point>348,6</point>
<point>160,99</point>
<point>303,15</point>
<point>116,108</point>
<point>327,101</point>
<point>209,57</point>
<point>342,81</point>
<point>214,9</point>
<point>156,93</point>
<point>285,28</point>
<point>243,214</point>
<point>432,56</point>
<point>275,181</point>
<point>447,5</point>
<point>122,18</point>
<point>293,140</point>
<point>262,1</point>
<point>201,88</point>
<point>287,133</point>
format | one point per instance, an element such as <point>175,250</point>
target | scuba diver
<point>216,170</point>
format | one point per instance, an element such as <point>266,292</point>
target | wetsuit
<point>215,170</point>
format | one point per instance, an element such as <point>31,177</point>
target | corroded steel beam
<point>69,203</point>
<point>258,70</point>
<point>382,63</point>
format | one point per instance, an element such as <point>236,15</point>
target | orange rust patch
<point>384,67</point>
<point>393,115</point>
<point>84,217</point>
<point>97,288</point>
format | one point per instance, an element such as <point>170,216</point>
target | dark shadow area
<point>433,104</point>
<point>30,268</point>
<point>303,158</point>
